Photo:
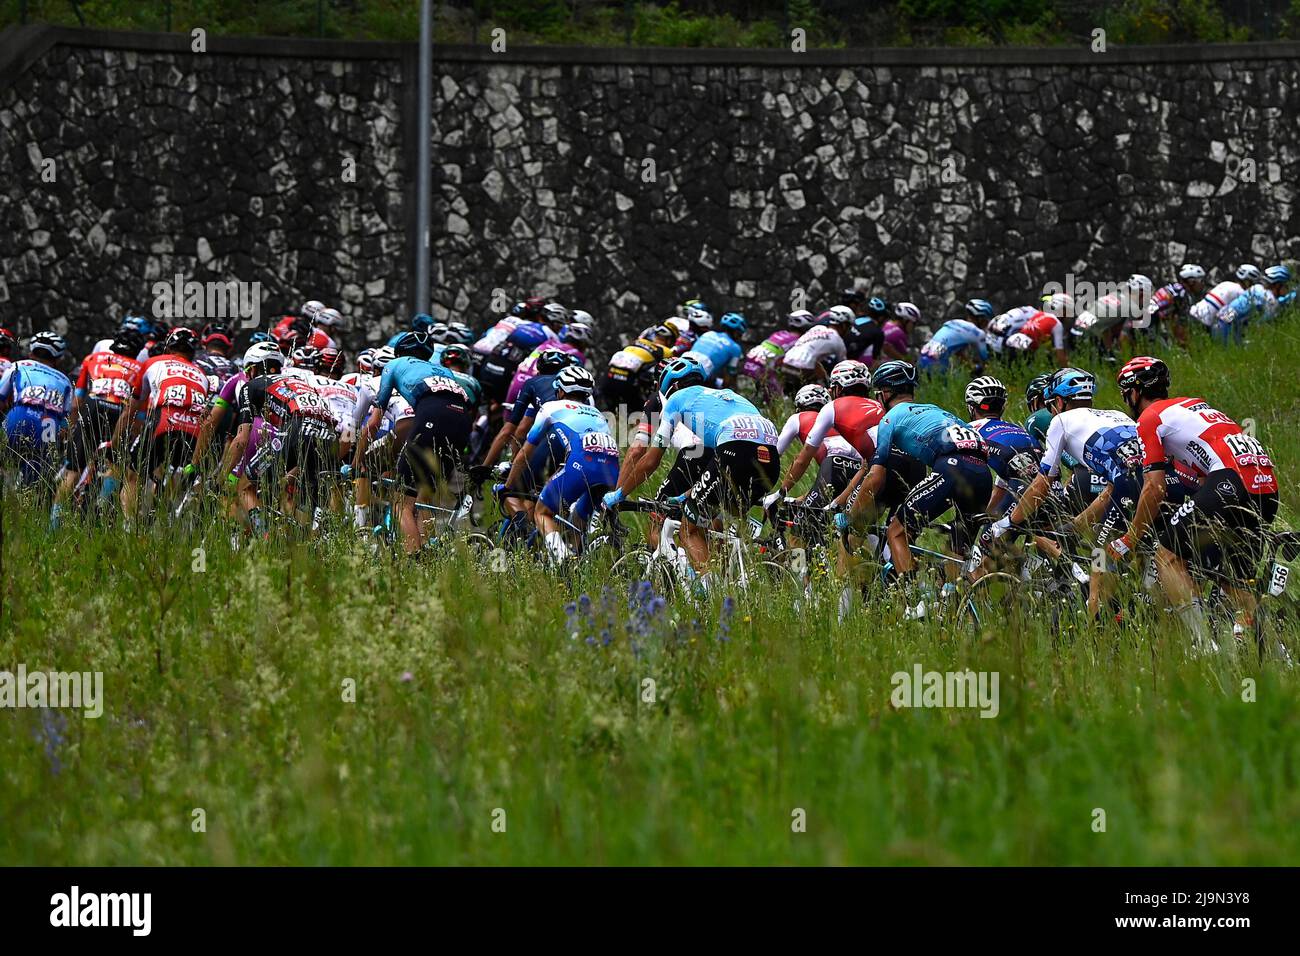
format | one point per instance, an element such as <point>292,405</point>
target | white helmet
<point>1191,270</point>
<point>263,352</point>
<point>699,317</point>
<point>1059,304</point>
<point>383,355</point>
<point>678,324</point>
<point>1248,273</point>
<point>1139,283</point>
<point>844,313</point>
<point>574,380</point>
<point>906,310</point>
<point>811,396</point>
<point>311,308</point>
<point>848,373</point>
<point>581,317</point>
<point>554,312</point>
<point>800,319</point>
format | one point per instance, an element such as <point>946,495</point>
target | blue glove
<point>677,500</point>
<point>841,521</point>
<point>612,499</point>
<point>346,471</point>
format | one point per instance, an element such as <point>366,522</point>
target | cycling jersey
<point>1013,452</point>
<point>717,352</point>
<point>764,357</point>
<point>528,367</point>
<point>1191,433</point>
<point>1103,440</point>
<point>1256,301</point>
<point>579,438</point>
<point>1167,302</point>
<point>864,339</point>
<point>218,368</point>
<point>349,404</point>
<point>895,336</point>
<point>1038,328</point>
<point>537,391</point>
<point>819,345</point>
<point>175,391</point>
<point>41,396</point>
<point>1003,326</point>
<point>109,378</point>
<point>800,424</point>
<point>925,432</point>
<point>954,336</point>
<point>628,362</point>
<point>1216,300</point>
<point>495,336</point>
<point>852,417</point>
<point>281,400</point>
<point>713,417</point>
<point>413,378</point>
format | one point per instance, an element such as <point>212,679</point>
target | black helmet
<point>181,340</point>
<point>895,376</point>
<point>413,343</point>
<point>127,342</point>
<point>550,361</point>
<point>1143,373</point>
<point>1036,390</point>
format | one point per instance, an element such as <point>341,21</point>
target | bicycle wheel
<point>995,596</point>
<point>642,564</point>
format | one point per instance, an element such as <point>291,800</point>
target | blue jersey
<point>413,378</point>
<point>718,352</point>
<point>714,416</point>
<point>1013,452</point>
<point>925,432</point>
<point>954,336</point>
<point>574,430</point>
<point>529,336</point>
<point>38,387</point>
<point>535,393</point>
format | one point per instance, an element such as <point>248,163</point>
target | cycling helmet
<point>127,342</point>
<point>1248,273</point>
<point>665,333</point>
<point>848,374</point>
<point>1036,390</point>
<point>421,322</point>
<point>329,318</point>
<point>260,336</point>
<point>332,361</point>
<point>533,306</point>
<point>438,332</point>
<point>680,373</point>
<point>8,341</point>
<point>1059,304</point>
<point>979,309</point>
<point>383,355</point>
<point>1277,275</point>
<point>286,335</point>
<point>365,361</point>
<point>550,361</point>
<point>1143,373</point>
<point>877,307</point>
<point>583,316</point>
<point>987,394</point>
<point>851,296</point>
<point>574,380</point>
<point>461,332</point>
<point>895,376</point>
<point>311,308</point>
<point>456,356</point>
<point>306,356</point>
<point>1191,272</point>
<point>734,323</point>
<point>908,312</point>
<point>262,353</point>
<point>826,318</point>
<point>1140,284</point>
<point>181,340</point>
<point>694,304</point>
<point>575,333</point>
<point>518,308</point>
<point>800,319</point>
<point>217,332</point>
<point>1071,384</point>
<point>696,315</point>
<point>412,343</point>
<point>555,314</point>
<point>137,322</point>
<point>843,315</point>
<point>811,398</point>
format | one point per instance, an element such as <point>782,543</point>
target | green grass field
<point>476,704</point>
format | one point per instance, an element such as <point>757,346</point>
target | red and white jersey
<point>348,403</point>
<point>1191,433</point>
<point>108,377</point>
<point>818,344</point>
<point>1041,326</point>
<point>851,417</point>
<point>800,424</point>
<point>175,391</point>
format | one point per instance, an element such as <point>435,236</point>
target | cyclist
<point>864,338</point>
<point>105,384</point>
<point>1219,298</point>
<point>955,453</point>
<point>718,351</point>
<point>214,358</point>
<point>744,465</point>
<point>1105,442</point>
<point>1114,310</point>
<point>38,397</point>
<point>574,337</point>
<point>628,375</point>
<point>838,461</point>
<point>897,329</point>
<point>537,391</point>
<point>1222,523</point>
<point>8,346</point>
<point>170,398</point>
<point>764,359</point>
<point>958,338</point>
<point>819,348</point>
<point>1013,452</point>
<point>577,435</point>
<point>1084,486</point>
<point>1040,327</point>
<point>1171,304</point>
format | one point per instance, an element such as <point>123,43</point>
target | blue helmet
<point>679,373</point>
<point>137,323</point>
<point>1277,275</point>
<point>414,344</point>
<point>734,323</point>
<point>1071,384</point>
<point>894,376</point>
<point>259,336</point>
<point>421,322</point>
<point>877,307</point>
<point>979,308</point>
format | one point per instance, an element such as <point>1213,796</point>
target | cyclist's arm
<point>1153,493</point>
<point>1090,515</point>
<point>211,420</point>
<point>871,485</point>
<point>637,470</point>
<point>1031,499</point>
<point>367,434</point>
<point>518,463</point>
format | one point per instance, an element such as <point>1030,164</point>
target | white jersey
<point>1102,439</point>
<point>1006,324</point>
<point>830,444</point>
<point>1215,301</point>
<point>348,403</point>
<point>496,335</point>
<point>818,344</point>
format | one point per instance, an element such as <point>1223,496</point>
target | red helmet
<point>332,361</point>
<point>1142,373</point>
<point>533,306</point>
<point>7,340</point>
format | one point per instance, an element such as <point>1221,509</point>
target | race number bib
<point>599,443</point>
<point>963,439</point>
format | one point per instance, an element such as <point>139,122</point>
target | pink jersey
<point>528,367</point>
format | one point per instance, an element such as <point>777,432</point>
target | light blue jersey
<point>925,432</point>
<point>718,352</point>
<point>410,378</point>
<point>954,336</point>
<point>715,416</point>
<point>573,429</point>
<point>37,386</point>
